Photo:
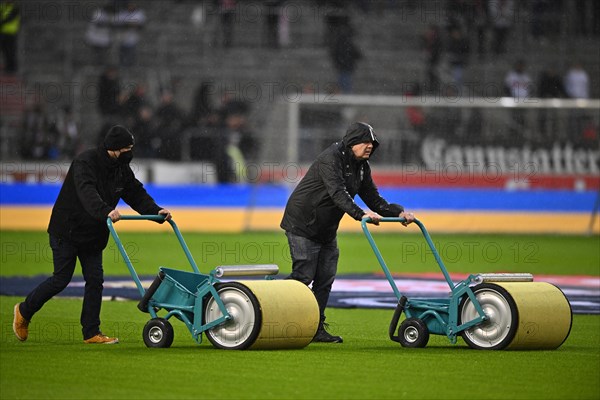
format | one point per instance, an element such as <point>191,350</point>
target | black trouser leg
<point>64,256</point>
<point>315,263</point>
<point>91,266</point>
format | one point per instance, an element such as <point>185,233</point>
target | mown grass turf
<point>55,364</point>
<point>28,253</point>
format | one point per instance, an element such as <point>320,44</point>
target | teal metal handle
<point>157,218</point>
<point>386,270</point>
<point>152,217</point>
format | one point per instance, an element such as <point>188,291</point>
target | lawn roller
<point>490,311</point>
<point>251,314</point>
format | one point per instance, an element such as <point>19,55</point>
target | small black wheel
<point>158,332</point>
<point>413,332</point>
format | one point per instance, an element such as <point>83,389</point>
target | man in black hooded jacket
<point>96,181</point>
<point>315,208</point>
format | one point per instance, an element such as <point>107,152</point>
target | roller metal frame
<point>191,315</point>
<point>439,315</point>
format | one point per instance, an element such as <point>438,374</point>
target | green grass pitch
<point>54,363</point>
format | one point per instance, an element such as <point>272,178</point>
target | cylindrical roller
<point>269,314</point>
<point>521,315</point>
<point>545,315</point>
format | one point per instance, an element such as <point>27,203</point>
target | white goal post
<point>523,129</point>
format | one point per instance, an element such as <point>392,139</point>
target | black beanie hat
<point>117,138</point>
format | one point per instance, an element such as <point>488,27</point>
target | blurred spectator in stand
<point>345,55</point>
<point>336,16</point>
<point>413,133</point>
<point>35,138</point>
<point>131,104</point>
<point>202,112</point>
<point>482,22</point>
<point>518,85</point>
<point>233,143</point>
<point>272,9</point>
<point>109,92</point>
<point>501,14</point>
<point>432,44</point>
<point>147,144</point>
<point>130,21</point>
<point>458,55</point>
<point>227,10</point>
<point>98,34</point>
<point>169,126</point>
<point>67,127</point>
<point>518,82</point>
<point>284,27</point>
<point>235,126</point>
<point>459,13</point>
<point>550,87</point>
<point>577,82</point>
<point>577,86</point>
<point>539,10</point>
<point>202,123</point>
<point>586,20</point>
<point>10,25</point>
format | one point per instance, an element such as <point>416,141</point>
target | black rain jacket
<point>327,191</point>
<point>91,190</point>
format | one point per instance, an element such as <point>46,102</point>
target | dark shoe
<point>325,337</point>
<point>20,324</point>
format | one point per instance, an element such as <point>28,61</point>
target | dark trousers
<point>65,254</point>
<point>9,48</point>
<point>315,263</point>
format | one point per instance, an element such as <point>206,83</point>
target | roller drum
<point>521,315</point>
<point>545,315</point>
<point>266,314</point>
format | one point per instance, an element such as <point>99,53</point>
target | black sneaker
<point>325,337</point>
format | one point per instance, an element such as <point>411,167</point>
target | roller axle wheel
<point>242,329</point>
<point>158,332</point>
<point>413,332</point>
<point>498,330</point>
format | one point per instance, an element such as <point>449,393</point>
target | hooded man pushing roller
<point>315,208</point>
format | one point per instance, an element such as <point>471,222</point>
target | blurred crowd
<point>219,132</point>
<point>215,126</point>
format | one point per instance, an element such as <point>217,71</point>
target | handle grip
<point>388,219</point>
<point>152,217</point>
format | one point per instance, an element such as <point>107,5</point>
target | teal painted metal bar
<point>128,263</point>
<point>386,270</point>
<point>384,267</point>
<point>161,218</point>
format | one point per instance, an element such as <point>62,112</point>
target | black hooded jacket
<point>327,191</point>
<point>91,190</point>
